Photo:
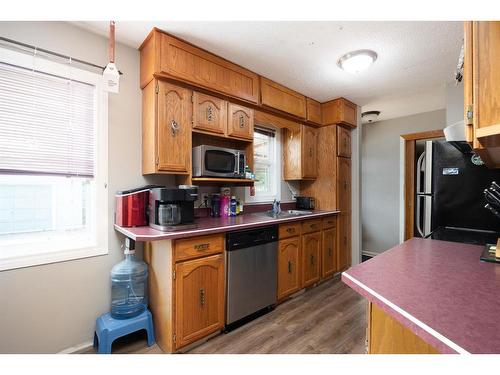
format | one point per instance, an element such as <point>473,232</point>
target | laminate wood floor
<point>330,318</point>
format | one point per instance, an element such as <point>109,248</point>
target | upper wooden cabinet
<point>339,111</point>
<point>209,113</point>
<point>313,111</point>
<point>166,128</point>
<point>240,122</point>
<point>282,98</point>
<point>166,56</point>
<point>299,153</point>
<point>343,142</point>
<point>482,89</point>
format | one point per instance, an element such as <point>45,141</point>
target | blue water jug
<point>129,287</point>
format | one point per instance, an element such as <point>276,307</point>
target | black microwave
<point>212,161</point>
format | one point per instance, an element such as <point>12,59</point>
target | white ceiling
<point>412,56</point>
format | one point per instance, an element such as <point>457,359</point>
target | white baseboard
<point>370,253</point>
<point>78,348</point>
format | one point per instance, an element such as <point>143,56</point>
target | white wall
<point>380,173</point>
<point>49,308</point>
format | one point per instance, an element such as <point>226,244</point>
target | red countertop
<point>440,290</point>
<point>210,225</point>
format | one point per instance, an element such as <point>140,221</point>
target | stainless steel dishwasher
<point>251,273</point>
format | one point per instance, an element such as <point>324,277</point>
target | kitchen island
<point>428,296</point>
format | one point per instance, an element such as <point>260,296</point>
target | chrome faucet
<point>276,207</point>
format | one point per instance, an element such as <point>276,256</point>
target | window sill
<point>38,259</point>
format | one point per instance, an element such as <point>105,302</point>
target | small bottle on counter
<point>237,207</point>
<point>215,203</point>
<point>241,207</point>
<point>233,206</point>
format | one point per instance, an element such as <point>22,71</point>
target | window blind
<point>263,130</point>
<point>46,123</point>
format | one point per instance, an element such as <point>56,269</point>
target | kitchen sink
<point>284,213</point>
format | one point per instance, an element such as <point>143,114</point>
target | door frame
<point>407,178</point>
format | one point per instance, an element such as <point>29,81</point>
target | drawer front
<point>198,246</point>
<point>330,222</point>
<point>289,230</point>
<point>309,226</point>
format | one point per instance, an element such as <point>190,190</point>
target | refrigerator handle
<point>420,161</point>
<point>419,209</point>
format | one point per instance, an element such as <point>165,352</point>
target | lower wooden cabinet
<point>311,253</point>
<point>199,298</point>
<point>328,255</point>
<point>344,242</point>
<point>289,275</point>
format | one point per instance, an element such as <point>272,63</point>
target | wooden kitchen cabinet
<point>300,153</point>
<point>279,97</point>
<point>344,184</point>
<point>311,253</point>
<point>343,241</point>
<point>313,111</point>
<point>240,121</point>
<point>482,89</point>
<point>328,253</point>
<point>209,113</point>
<point>199,298</point>
<point>166,56</point>
<point>289,272</point>
<point>343,142</point>
<point>166,128</point>
<point>339,111</point>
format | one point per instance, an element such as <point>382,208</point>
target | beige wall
<point>49,308</point>
<point>380,175</point>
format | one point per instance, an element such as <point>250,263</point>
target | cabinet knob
<point>329,251</point>
<point>310,151</point>
<point>290,230</point>
<point>312,260</point>
<point>242,121</point>
<point>175,127</point>
<point>289,267</point>
<point>202,297</point>
<point>210,113</point>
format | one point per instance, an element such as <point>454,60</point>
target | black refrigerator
<point>450,184</point>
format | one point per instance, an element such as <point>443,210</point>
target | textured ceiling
<point>412,56</point>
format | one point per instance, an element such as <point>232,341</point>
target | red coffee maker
<point>132,207</point>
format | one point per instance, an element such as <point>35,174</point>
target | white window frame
<point>99,195</point>
<point>268,198</point>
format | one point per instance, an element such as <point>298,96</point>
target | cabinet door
<point>344,184</point>
<point>280,97</point>
<point>209,113</point>
<point>486,87</point>
<point>311,250</point>
<point>343,142</point>
<point>344,242</point>
<point>174,128</point>
<point>329,255</point>
<point>309,149</point>
<point>292,153</point>
<point>289,278</point>
<point>199,298</point>
<point>240,121</point>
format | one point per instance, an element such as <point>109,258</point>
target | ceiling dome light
<point>357,61</point>
<point>369,116</point>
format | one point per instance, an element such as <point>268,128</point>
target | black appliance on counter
<point>450,202</point>
<point>304,203</point>
<point>172,208</point>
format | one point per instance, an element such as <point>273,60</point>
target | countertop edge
<point>426,333</point>
<point>223,229</point>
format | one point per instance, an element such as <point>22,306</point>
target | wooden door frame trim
<point>408,163</point>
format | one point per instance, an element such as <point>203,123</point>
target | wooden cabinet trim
<point>313,111</point>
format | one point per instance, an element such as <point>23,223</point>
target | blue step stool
<point>109,329</point>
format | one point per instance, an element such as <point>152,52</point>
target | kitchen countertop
<point>210,225</point>
<point>440,290</point>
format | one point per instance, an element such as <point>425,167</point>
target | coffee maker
<point>172,208</point>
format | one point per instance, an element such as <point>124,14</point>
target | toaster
<point>305,203</point>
